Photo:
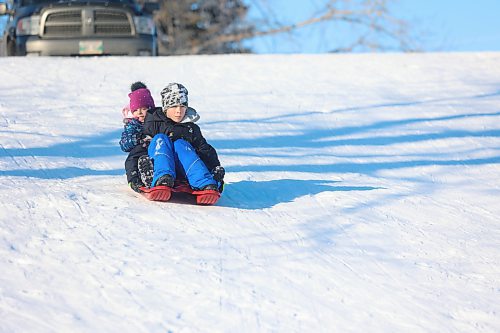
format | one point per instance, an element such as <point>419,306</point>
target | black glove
<point>144,141</point>
<point>218,173</point>
<point>136,184</point>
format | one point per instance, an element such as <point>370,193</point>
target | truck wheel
<point>11,49</point>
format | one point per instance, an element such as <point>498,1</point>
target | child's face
<point>140,113</point>
<point>176,113</point>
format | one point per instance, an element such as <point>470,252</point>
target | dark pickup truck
<point>77,28</point>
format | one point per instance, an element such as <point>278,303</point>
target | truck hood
<point>36,6</point>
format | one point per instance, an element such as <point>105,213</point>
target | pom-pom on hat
<point>140,96</point>
<point>174,94</point>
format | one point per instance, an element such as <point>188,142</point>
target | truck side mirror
<point>3,8</point>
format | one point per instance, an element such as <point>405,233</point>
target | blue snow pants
<point>178,159</point>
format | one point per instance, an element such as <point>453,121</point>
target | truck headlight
<point>144,25</point>
<point>28,26</point>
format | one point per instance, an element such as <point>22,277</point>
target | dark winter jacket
<point>157,122</point>
<point>131,163</point>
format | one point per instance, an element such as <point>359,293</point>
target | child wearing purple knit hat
<point>140,102</point>
<point>132,139</point>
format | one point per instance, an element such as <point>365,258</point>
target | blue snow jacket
<point>132,142</point>
<point>131,135</point>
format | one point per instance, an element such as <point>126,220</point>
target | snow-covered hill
<point>362,195</point>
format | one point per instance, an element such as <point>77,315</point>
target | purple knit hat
<point>141,98</point>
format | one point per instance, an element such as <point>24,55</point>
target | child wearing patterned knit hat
<point>178,149</point>
<point>133,140</point>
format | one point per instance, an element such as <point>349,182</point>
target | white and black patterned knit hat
<point>174,94</point>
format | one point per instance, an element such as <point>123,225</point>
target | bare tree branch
<point>374,17</point>
<point>215,26</point>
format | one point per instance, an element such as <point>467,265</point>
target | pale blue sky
<point>441,25</point>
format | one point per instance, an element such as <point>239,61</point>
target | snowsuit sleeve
<point>207,153</point>
<point>131,163</point>
<point>132,132</point>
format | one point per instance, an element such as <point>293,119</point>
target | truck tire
<point>11,49</point>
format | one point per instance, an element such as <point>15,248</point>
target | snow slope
<point>362,195</point>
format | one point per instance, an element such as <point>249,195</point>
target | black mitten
<point>218,173</point>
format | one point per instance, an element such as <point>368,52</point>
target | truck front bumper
<point>131,46</point>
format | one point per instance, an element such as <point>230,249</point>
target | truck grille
<point>111,23</point>
<point>67,23</point>
<point>86,23</point>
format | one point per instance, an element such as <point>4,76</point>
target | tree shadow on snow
<point>91,147</point>
<point>61,173</point>
<point>266,194</point>
<point>376,134</point>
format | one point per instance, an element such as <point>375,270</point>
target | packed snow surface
<point>362,196</point>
